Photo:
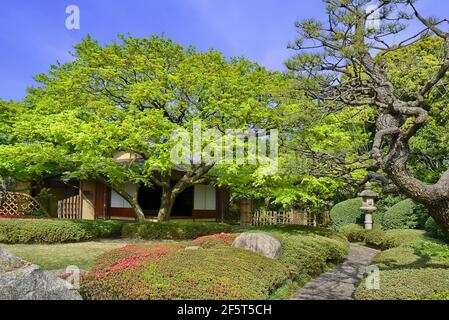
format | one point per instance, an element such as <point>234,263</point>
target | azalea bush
<point>209,267</point>
<point>216,240</point>
<point>154,272</point>
<point>308,250</point>
<point>407,284</point>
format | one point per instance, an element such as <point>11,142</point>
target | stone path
<point>339,283</point>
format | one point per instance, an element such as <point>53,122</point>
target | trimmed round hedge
<point>347,212</point>
<point>383,239</point>
<point>354,232</point>
<point>56,231</point>
<point>401,216</point>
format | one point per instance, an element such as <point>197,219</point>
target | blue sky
<point>33,33</point>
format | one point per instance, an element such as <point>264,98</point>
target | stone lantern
<point>368,208</point>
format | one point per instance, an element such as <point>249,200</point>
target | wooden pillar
<point>245,212</point>
<point>87,191</point>
<point>223,198</point>
<point>102,201</point>
<point>326,218</point>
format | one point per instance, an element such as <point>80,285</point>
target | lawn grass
<point>59,256</point>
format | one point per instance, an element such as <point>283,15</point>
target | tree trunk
<point>169,193</point>
<point>132,200</point>
<point>140,215</point>
<point>167,202</point>
<point>434,197</point>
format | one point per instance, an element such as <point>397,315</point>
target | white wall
<point>205,198</point>
<point>118,202</point>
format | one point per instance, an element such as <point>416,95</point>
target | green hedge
<point>214,271</point>
<point>347,212</point>
<point>173,230</point>
<point>422,215</point>
<point>63,231</point>
<point>383,239</point>
<point>56,231</point>
<point>401,216</point>
<point>433,229</point>
<point>380,239</point>
<point>354,232</point>
<point>376,238</point>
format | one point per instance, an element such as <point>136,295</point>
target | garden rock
<point>9,262</point>
<point>261,243</point>
<point>20,280</point>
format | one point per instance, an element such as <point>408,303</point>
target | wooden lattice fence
<point>264,217</point>
<point>18,204</point>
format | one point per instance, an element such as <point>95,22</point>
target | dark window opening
<point>184,204</point>
<point>150,201</point>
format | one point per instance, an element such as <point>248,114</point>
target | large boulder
<point>261,243</point>
<point>21,280</point>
